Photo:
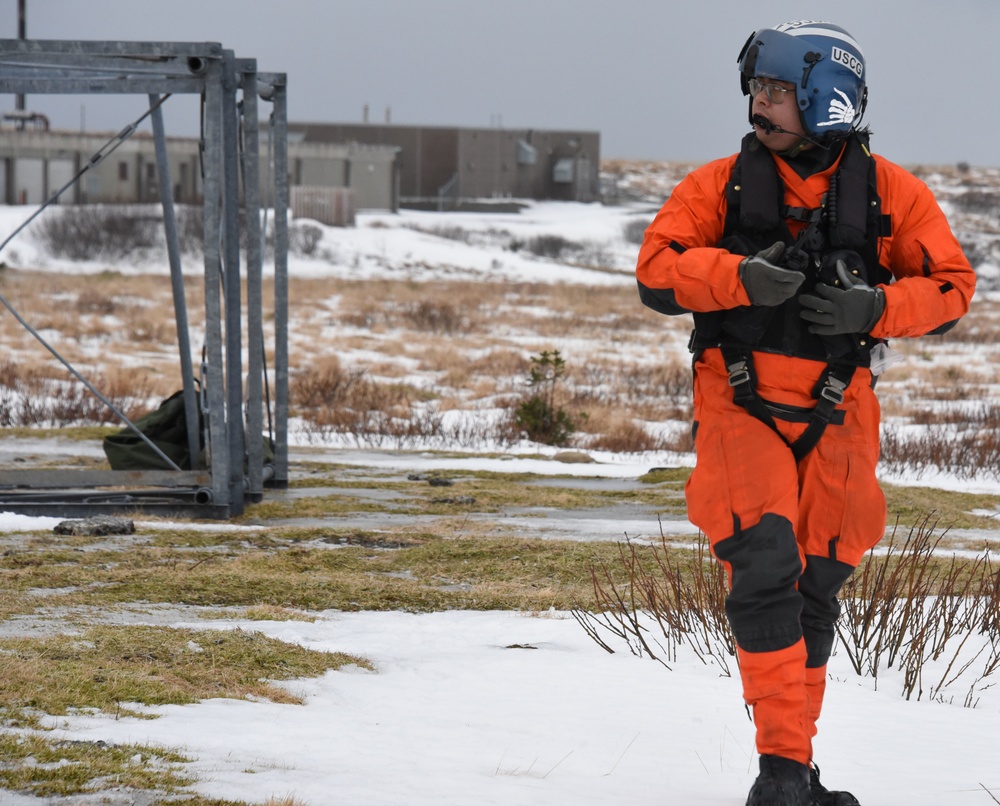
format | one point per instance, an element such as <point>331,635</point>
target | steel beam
<point>229,88</point>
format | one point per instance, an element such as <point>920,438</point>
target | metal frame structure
<point>237,468</point>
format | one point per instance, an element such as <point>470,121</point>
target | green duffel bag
<point>166,428</point>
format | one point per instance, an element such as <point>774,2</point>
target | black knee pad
<point>819,585</point>
<point>764,607</point>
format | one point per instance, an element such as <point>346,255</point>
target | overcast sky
<point>657,78</point>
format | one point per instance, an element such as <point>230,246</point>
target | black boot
<point>782,782</point>
<point>821,796</point>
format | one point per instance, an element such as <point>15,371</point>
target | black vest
<point>847,226</point>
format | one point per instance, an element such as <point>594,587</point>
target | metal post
<point>279,135</point>
<point>177,282</point>
<point>231,283</point>
<point>22,33</point>
<point>255,328</point>
<point>213,380</point>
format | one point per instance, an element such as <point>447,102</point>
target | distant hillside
<point>970,197</point>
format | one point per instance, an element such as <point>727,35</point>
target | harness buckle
<point>739,373</point>
<point>833,390</point>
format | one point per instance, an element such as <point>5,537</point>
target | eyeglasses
<point>775,92</point>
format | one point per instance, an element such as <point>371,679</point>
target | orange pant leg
<point>815,690</point>
<point>774,686</point>
<point>743,494</point>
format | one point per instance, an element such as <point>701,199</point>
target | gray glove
<point>767,284</point>
<point>855,308</point>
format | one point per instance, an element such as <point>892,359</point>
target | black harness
<point>847,226</point>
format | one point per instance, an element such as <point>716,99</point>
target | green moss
<point>106,666</point>
<point>664,475</point>
<point>80,433</point>
<point>46,768</point>
<point>952,510</point>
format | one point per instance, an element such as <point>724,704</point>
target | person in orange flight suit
<point>798,257</point>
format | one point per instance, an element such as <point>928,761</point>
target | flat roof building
<point>444,166</point>
<point>35,163</point>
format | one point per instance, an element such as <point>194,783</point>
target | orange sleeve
<point>934,281</point>
<point>679,267</point>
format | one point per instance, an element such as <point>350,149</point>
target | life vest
<point>846,226</point>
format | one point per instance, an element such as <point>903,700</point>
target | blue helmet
<point>823,61</point>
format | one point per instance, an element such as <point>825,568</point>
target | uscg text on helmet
<point>849,60</point>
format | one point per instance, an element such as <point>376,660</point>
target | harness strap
<point>743,382</point>
<point>831,387</point>
<point>828,391</point>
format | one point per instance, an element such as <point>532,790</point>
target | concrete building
<point>364,167</point>
<point>37,162</point>
<point>446,166</point>
<point>370,171</point>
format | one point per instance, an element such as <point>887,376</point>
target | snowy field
<point>510,708</point>
<point>523,708</point>
<point>513,708</point>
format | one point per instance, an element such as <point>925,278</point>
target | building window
<point>562,172</point>
<point>122,171</point>
<point>527,154</point>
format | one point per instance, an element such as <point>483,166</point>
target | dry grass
<point>104,324</point>
<point>384,360</point>
<point>51,768</point>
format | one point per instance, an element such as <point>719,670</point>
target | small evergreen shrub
<point>539,416</point>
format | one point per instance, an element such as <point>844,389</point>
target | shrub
<point>969,448</point>
<point>596,255</point>
<point>302,238</point>
<point>936,620</point>
<point>91,232</point>
<point>29,398</point>
<point>551,246</point>
<point>191,229</point>
<point>451,233</point>
<point>543,423</point>
<point>626,437</point>
<point>661,589</point>
<point>430,316</point>
<point>634,230</point>
<point>978,201</point>
<point>92,300</point>
<point>326,385</point>
<point>910,609</point>
<point>332,400</point>
<point>538,415</point>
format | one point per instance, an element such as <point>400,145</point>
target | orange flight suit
<point>790,533</point>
